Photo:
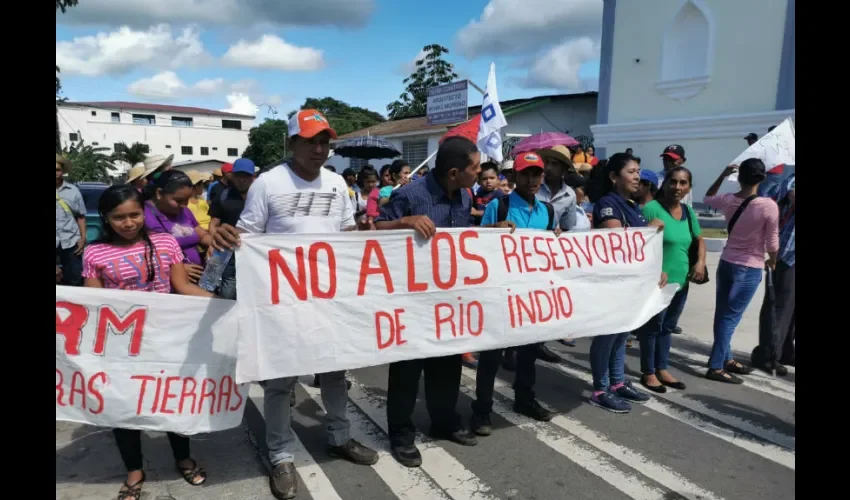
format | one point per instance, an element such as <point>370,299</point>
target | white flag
<point>778,147</point>
<point>492,120</point>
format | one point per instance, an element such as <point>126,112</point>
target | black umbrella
<point>367,148</point>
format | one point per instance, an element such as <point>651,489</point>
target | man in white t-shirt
<point>300,197</point>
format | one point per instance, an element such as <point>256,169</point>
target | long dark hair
<point>669,175</point>
<point>169,181</point>
<point>600,183</point>
<point>111,198</point>
<point>381,175</point>
<point>365,173</point>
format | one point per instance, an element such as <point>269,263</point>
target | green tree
<point>88,164</point>
<point>131,154</point>
<point>431,70</point>
<point>267,143</point>
<point>343,118</point>
<point>63,6</point>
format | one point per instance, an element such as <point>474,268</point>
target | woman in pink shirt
<point>130,258</point>
<point>753,227</point>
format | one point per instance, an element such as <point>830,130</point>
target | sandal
<point>722,376</point>
<point>191,474</point>
<point>133,491</point>
<point>738,368</point>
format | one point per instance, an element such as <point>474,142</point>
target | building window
<point>94,144</point>
<point>185,150</point>
<point>179,121</point>
<point>414,152</point>
<point>232,124</point>
<point>357,163</point>
<point>118,147</point>
<point>168,146</point>
<point>232,152</point>
<point>116,118</point>
<point>687,54</point>
<point>215,148</point>
<point>73,137</point>
<point>145,149</point>
<point>94,113</point>
<point>205,151</point>
<point>144,119</point>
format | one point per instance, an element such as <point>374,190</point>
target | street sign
<point>447,104</point>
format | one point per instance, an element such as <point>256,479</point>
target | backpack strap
<point>502,209</point>
<point>223,195</point>
<point>551,211</point>
<point>738,213</point>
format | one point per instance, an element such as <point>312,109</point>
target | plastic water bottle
<point>211,278</point>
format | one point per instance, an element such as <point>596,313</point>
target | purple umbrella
<point>545,140</point>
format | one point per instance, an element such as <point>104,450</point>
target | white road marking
<point>581,451</point>
<point>782,454</point>
<point>405,482</point>
<point>314,479</point>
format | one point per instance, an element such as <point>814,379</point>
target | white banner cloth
<point>150,361</point>
<point>778,147</point>
<point>326,302</point>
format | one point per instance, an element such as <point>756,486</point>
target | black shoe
<point>723,376</point>
<point>770,367</point>
<point>283,482</point>
<point>354,452</point>
<point>406,455</point>
<point>546,354</point>
<point>534,410</point>
<point>677,330</point>
<point>481,425</point>
<point>461,436</point>
<point>737,367</point>
<point>660,389</point>
<point>509,360</point>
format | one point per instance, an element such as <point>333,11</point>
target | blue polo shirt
<point>425,196</point>
<point>612,206</point>
<point>519,212</point>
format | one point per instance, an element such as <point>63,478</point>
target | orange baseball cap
<point>527,160</point>
<point>309,122</point>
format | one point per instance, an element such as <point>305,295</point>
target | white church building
<point>699,73</point>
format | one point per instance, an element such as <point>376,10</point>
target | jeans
<point>278,414</point>
<point>608,360</point>
<point>227,288</point>
<point>442,387</point>
<point>736,285</point>
<point>656,336</point>
<point>485,378</point>
<point>129,443</point>
<point>72,266</point>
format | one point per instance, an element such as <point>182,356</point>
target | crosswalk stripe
<point>778,448</point>
<point>658,473</point>
<point>756,380</point>
<point>312,475</point>
<point>406,483</point>
<point>455,479</point>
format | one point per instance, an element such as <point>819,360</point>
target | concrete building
<point>700,73</point>
<point>186,132</point>
<point>573,113</point>
<point>202,166</point>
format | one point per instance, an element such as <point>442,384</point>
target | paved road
<point>710,441</point>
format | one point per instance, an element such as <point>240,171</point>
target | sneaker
<point>406,455</point>
<point>534,410</point>
<point>628,392</point>
<point>610,402</point>
<point>469,360</point>
<point>354,452</point>
<point>481,425</point>
<point>283,482</point>
<point>771,367</point>
<point>460,436</point>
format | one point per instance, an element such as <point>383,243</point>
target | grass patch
<point>714,232</point>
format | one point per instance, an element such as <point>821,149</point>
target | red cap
<point>527,160</point>
<point>308,123</point>
<point>227,168</point>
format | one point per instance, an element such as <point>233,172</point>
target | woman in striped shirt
<point>129,258</point>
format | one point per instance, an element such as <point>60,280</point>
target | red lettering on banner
<point>616,242</point>
<point>366,269</point>
<point>540,307</point>
<point>640,256</point>
<point>86,389</point>
<point>187,393</point>
<point>298,285</point>
<point>471,256</point>
<point>523,254</point>
<point>507,254</point>
<point>166,395</point>
<point>412,285</point>
<point>601,255</point>
<point>436,264</point>
<point>133,322</point>
<point>567,249</point>
<point>72,326</point>
<point>470,318</point>
<point>395,328</point>
<point>542,253</point>
<point>207,393</point>
<point>526,254</point>
<point>314,270</point>
<point>145,379</point>
<point>553,255</point>
<point>222,395</point>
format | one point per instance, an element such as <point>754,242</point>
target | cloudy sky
<point>240,54</point>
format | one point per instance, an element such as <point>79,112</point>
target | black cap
<point>751,136</point>
<point>674,151</point>
<point>771,129</point>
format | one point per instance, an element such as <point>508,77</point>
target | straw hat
<point>206,176</point>
<point>506,165</point>
<point>65,162</point>
<point>583,167</point>
<point>560,153</point>
<point>195,176</point>
<point>156,163</point>
<point>218,173</point>
<point>137,172</point>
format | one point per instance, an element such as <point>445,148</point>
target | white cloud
<point>167,85</point>
<point>271,52</point>
<point>516,26</point>
<point>410,66</point>
<point>241,104</point>
<point>125,50</point>
<point>344,13</point>
<point>558,68</point>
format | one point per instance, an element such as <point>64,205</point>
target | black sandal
<point>190,474</point>
<point>723,376</point>
<point>737,368</point>
<point>133,491</point>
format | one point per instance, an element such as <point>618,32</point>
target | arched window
<point>687,52</point>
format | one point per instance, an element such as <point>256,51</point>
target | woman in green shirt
<point>679,233</point>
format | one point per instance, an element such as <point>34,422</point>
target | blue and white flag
<point>492,120</point>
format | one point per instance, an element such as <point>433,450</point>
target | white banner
<point>141,360</point>
<point>492,120</point>
<point>778,147</point>
<point>326,302</point>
